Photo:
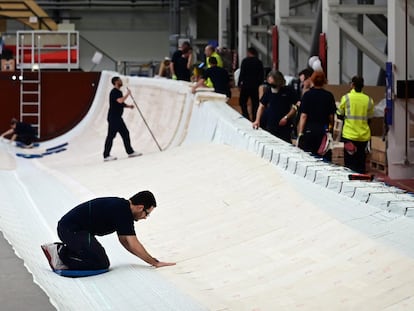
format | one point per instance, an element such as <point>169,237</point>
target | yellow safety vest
<point>357,108</point>
<point>209,83</point>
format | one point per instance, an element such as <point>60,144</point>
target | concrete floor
<point>17,290</point>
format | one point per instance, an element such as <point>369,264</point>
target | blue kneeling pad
<point>79,273</point>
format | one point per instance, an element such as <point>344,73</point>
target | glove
<point>298,138</point>
<point>174,77</point>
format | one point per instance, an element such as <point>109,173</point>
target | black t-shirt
<point>318,104</point>
<point>115,109</point>
<point>278,104</point>
<point>101,216</point>
<point>251,73</point>
<point>24,129</point>
<point>220,79</point>
<point>180,66</point>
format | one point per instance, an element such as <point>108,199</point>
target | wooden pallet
<point>338,160</point>
<point>379,166</point>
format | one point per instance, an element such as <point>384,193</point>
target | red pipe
<point>322,51</point>
<point>275,48</point>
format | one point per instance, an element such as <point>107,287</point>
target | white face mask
<point>274,90</point>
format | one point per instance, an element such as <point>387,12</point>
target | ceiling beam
<point>24,10</point>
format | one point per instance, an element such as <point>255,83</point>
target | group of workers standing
<point>206,74</point>
<point>306,116</point>
<point>309,117</point>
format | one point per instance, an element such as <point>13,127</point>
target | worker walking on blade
<point>115,122</point>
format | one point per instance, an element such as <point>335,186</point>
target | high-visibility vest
<point>209,83</point>
<point>357,108</point>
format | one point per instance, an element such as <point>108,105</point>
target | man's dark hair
<point>212,60</point>
<point>186,44</point>
<point>358,83</point>
<point>114,79</point>
<point>185,47</point>
<point>307,73</point>
<point>145,198</point>
<point>252,50</point>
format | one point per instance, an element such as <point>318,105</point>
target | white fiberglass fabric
<point>253,223</point>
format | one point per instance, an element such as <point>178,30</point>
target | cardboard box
<point>377,126</point>
<point>376,92</point>
<point>7,65</point>
<point>378,156</point>
<point>337,130</point>
<point>378,144</point>
<point>338,153</point>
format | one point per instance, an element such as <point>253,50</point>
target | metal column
<point>331,28</point>
<point>223,22</point>
<point>282,11</point>
<point>400,152</point>
<point>245,8</point>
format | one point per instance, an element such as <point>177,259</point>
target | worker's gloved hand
<point>174,77</point>
<point>298,138</point>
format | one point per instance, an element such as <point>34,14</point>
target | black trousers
<point>311,141</point>
<point>356,161</point>
<point>26,139</point>
<point>282,132</point>
<point>245,94</point>
<point>117,126</point>
<point>81,250</point>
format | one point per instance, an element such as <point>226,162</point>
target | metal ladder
<point>30,85</point>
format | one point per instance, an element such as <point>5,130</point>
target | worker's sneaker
<point>23,145</point>
<point>51,252</point>
<point>135,154</point>
<point>110,158</point>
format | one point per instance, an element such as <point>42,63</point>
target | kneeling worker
<point>80,250</point>
<point>21,132</point>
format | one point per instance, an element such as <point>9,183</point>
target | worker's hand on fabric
<point>164,264</point>
<point>174,77</point>
<point>255,125</point>
<point>130,106</point>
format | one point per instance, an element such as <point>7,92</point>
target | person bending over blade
<point>21,132</point>
<point>80,250</point>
